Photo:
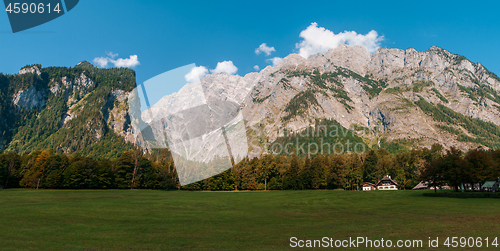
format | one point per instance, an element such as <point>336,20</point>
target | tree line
<point>46,169</point>
<point>467,171</point>
<point>135,170</point>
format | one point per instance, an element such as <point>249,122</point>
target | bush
<point>463,195</point>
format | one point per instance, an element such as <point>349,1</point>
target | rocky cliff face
<point>30,99</point>
<point>419,97</point>
<point>117,114</point>
<point>82,109</point>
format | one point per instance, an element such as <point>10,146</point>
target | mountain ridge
<point>349,85</point>
<point>408,97</point>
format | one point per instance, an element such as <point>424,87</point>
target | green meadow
<point>184,220</point>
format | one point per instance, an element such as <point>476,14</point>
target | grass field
<point>180,220</point>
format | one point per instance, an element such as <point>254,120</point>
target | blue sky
<point>168,34</point>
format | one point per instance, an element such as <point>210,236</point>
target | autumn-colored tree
<point>267,169</point>
<point>248,177</point>
<point>433,173</point>
<point>479,167</point>
<point>37,171</point>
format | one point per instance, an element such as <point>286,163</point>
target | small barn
<point>421,185</point>
<point>491,186</point>
<point>367,186</point>
<point>387,183</point>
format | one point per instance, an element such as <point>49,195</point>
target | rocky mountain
<point>79,110</point>
<point>389,99</point>
<point>399,98</point>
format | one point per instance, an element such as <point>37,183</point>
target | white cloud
<point>112,55</point>
<point>320,40</point>
<point>132,61</point>
<point>201,71</point>
<point>226,66</point>
<point>196,74</point>
<point>256,67</point>
<point>275,60</point>
<point>264,48</point>
<point>102,62</point>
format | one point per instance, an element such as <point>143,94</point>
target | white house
<point>367,186</point>
<point>387,183</point>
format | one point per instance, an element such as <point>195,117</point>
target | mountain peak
<point>355,57</point>
<point>84,63</point>
<point>31,69</point>
<point>435,48</point>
